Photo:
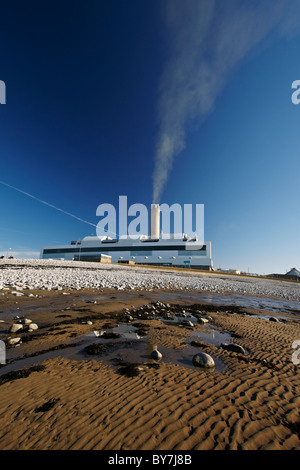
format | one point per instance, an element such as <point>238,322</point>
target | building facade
<point>183,252</point>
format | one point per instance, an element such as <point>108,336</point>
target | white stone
<point>15,327</point>
<point>14,341</point>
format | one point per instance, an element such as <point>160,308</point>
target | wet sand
<point>62,398</point>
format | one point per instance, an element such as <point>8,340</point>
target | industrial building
<point>183,252</point>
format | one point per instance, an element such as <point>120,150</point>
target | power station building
<point>183,252</point>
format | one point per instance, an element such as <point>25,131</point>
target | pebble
<point>26,321</point>
<point>233,347</point>
<point>156,355</point>
<point>15,327</point>
<point>14,341</point>
<point>203,360</point>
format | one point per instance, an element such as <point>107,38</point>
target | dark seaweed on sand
<point>134,369</point>
<point>94,349</point>
<point>46,406</point>
<point>110,335</point>
<point>21,373</point>
<point>130,370</point>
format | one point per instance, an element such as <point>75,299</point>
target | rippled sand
<point>86,403</point>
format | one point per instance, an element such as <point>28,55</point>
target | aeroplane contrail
<point>53,207</point>
<point>47,203</point>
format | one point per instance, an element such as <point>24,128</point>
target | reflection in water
<point>212,336</point>
<point>131,351</point>
<point>238,300</point>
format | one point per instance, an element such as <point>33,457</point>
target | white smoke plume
<point>207,40</point>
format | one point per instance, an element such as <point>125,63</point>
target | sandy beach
<point>64,388</point>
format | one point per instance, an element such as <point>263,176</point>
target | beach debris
<point>274,319</point>
<point>233,347</point>
<point>15,327</point>
<point>203,360</point>
<point>156,355</point>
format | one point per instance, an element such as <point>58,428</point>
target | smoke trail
<point>208,40</point>
<point>47,204</point>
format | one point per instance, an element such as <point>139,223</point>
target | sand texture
<point>88,402</point>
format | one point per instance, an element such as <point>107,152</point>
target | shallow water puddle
<point>240,300</point>
<point>128,348</point>
<point>212,336</point>
<point>139,352</point>
<point>178,318</point>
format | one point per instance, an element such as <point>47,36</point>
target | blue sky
<point>95,90</point>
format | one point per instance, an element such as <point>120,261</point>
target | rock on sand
<point>233,347</point>
<point>15,327</point>
<point>156,355</point>
<point>203,360</point>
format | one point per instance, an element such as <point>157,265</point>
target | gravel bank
<point>22,274</point>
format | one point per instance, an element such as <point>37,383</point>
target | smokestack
<point>155,221</point>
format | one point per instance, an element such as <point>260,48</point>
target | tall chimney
<point>155,221</point>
